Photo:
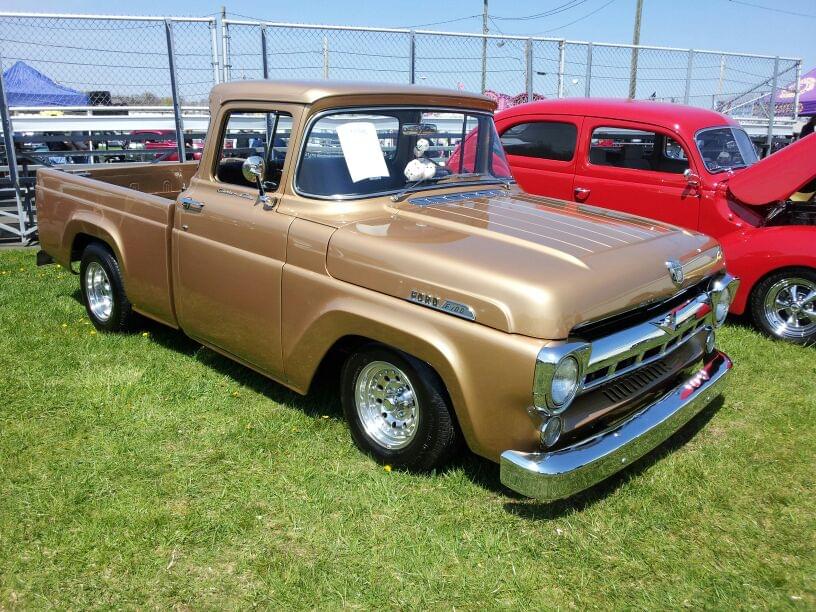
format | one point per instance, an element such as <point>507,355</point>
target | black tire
<point>801,332</point>
<point>436,438</point>
<point>121,318</point>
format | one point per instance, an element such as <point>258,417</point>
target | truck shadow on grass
<point>323,400</point>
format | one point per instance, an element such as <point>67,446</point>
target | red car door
<point>636,168</point>
<point>542,152</point>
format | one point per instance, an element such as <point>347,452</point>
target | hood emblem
<point>676,271</point>
<point>456,309</point>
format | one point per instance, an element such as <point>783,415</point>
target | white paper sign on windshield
<point>361,148</point>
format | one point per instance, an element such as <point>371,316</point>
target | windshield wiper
<point>454,178</point>
<point>413,186</point>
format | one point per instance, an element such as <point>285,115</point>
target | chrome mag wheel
<point>99,292</point>
<point>387,405</point>
<point>790,307</point>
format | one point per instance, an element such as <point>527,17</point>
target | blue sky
<point>707,24</point>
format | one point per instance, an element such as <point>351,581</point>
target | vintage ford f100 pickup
<point>328,220</point>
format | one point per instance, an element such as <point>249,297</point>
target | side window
<point>541,139</point>
<point>637,150</point>
<point>254,133</point>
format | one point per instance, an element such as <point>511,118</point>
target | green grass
<point>146,471</point>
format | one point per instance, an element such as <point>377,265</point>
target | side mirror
<point>692,179</point>
<point>254,168</point>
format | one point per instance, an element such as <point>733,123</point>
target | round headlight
<point>551,431</point>
<point>723,304</point>
<point>564,381</point>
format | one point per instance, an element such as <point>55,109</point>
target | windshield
<point>380,151</point>
<point>725,148</point>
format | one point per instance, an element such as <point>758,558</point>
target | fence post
<point>796,91</point>
<point>11,154</point>
<point>412,58</point>
<point>264,58</point>
<point>325,57</point>
<point>772,104</point>
<point>171,59</point>
<point>214,49</point>
<point>225,51</point>
<point>561,63</point>
<point>689,69</point>
<point>588,77</point>
<point>529,68</point>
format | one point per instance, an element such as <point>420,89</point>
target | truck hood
<point>523,264</point>
<point>776,177</point>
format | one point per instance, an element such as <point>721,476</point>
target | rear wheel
<point>397,409</point>
<point>103,290</point>
<point>784,305</point>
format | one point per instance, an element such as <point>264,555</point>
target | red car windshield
<point>725,148</point>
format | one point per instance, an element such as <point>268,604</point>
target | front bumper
<point>549,476</point>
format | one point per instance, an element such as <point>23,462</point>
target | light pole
<point>484,47</point>
<point>635,42</point>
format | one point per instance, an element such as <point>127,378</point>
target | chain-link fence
<point>62,73</point>
<point>512,67</point>
<point>92,88</point>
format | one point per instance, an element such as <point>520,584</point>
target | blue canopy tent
<point>27,86</point>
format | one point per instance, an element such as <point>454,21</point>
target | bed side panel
<point>135,225</point>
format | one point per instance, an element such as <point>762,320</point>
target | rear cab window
<point>637,149</point>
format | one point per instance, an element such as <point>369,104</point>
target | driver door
<point>229,247</point>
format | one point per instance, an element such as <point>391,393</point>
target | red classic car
<point>164,143</point>
<point>691,167</point>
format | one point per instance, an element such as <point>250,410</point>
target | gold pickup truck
<point>380,224</point>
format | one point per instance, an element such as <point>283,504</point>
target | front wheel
<point>783,305</point>
<point>397,409</point>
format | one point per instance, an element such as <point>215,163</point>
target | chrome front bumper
<point>554,475</point>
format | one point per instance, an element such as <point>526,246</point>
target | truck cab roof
<point>327,93</point>
<point>687,119</point>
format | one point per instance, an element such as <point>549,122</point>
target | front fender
<point>488,373</point>
<point>754,253</point>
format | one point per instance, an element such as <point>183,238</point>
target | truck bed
<point>130,207</point>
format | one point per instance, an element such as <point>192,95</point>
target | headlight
<point>723,304</point>
<point>564,381</point>
<point>721,291</point>
<point>558,373</point>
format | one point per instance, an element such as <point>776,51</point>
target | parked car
<point>163,142</point>
<point>690,167</point>
<point>551,336</point>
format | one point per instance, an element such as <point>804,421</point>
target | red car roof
<point>679,117</point>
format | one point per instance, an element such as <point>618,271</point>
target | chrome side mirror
<point>254,168</point>
<point>692,179</point>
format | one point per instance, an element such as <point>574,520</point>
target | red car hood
<point>778,176</point>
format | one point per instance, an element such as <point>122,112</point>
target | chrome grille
<point>630,385</point>
<point>632,349</point>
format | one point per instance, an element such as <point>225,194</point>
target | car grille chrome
<point>631,384</point>
<point>621,353</point>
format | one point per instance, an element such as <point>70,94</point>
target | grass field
<point>146,471</point>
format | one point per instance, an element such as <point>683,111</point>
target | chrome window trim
<point>358,109</point>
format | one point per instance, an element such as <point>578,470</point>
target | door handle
<point>191,204</point>
<point>581,193</point>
